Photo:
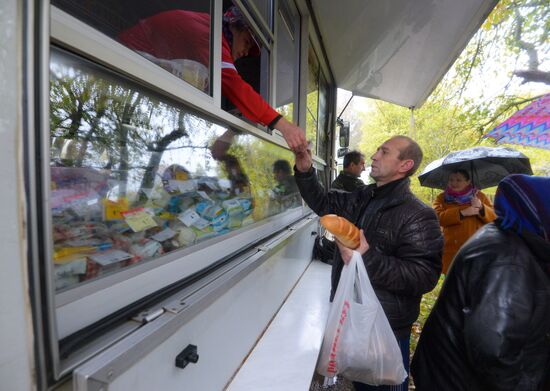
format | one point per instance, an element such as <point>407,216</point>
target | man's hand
<point>347,252</point>
<point>294,135</point>
<point>303,160</point>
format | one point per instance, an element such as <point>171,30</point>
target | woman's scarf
<point>460,197</point>
<point>522,202</point>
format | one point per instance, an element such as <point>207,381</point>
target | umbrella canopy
<point>486,165</point>
<point>529,126</point>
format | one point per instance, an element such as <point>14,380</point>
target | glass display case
<point>135,176</point>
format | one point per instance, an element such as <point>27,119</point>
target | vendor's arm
<point>294,135</point>
<point>414,268</point>
<point>256,109</point>
<point>448,214</point>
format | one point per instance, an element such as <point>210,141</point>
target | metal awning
<point>396,50</point>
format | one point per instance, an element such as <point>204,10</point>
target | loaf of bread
<point>345,232</point>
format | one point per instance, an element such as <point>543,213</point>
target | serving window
<point>317,106</point>
<point>288,47</point>
<point>135,176</point>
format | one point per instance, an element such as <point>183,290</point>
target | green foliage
<point>473,98</point>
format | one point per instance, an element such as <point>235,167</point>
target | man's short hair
<point>352,157</point>
<point>411,151</point>
<point>282,165</point>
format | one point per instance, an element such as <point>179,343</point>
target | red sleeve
<point>241,94</point>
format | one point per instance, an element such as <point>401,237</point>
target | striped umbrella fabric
<point>529,126</point>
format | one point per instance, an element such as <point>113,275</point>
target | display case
<point>135,176</point>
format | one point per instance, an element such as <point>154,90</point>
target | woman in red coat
<point>462,210</point>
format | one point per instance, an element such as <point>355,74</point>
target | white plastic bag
<point>358,342</point>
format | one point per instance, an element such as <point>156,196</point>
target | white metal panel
<point>396,50</point>
<point>224,332</point>
<point>286,356</point>
<point>16,365</point>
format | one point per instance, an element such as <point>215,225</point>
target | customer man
<point>404,241</point>
<point>348,180</point>
<point>490,328</point>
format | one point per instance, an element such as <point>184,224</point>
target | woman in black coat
<point>490,327</point>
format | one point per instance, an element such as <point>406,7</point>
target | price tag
<point>109,257</point>
<point>182,175</point>
<point>163,235</point>
<point>183,186</point>
<point>139,220</point>
<point>115,209</point>
<point>189,217</point>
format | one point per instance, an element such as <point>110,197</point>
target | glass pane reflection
<point>288,28</point>
<point>175,35</point>
<point>312,100</point>
<point>134,176</point>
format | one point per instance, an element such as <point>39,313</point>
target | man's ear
<point>406,166</point>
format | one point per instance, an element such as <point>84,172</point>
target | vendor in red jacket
<point>180,34</point>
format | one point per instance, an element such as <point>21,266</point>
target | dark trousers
<point>404,345</point>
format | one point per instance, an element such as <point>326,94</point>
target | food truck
<point>151,233</point>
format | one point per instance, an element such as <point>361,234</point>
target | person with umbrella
<point>461,210</point>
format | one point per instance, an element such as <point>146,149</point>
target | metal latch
<point>148,315</point>
<point>187,355</point>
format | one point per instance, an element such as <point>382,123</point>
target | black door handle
<point>187,355</point>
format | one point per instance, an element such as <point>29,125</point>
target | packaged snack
<point>186,236</point>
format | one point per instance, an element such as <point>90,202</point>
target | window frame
<point>74,35</point>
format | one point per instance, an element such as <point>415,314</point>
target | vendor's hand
<point>303,160</point>
<point>347,252</point>
<point>294,135</point>
<point>470,211</point>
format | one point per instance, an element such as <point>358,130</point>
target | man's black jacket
<point>490,327</point>
<point>347,182</point>
<point>404,258</point>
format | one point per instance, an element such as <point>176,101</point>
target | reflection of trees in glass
<point>100,122</point>
<point>257,157</point>
<point>286,111</point>
<point>312,99</point>
<point>323,138</point>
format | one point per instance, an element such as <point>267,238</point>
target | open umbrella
<point>529,126</point>
<point>486,165</point>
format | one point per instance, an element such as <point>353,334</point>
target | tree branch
<point>533,76</point>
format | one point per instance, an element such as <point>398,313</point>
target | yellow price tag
<point>182,176</point>
<point>139,220</point>
<point>115,209</point>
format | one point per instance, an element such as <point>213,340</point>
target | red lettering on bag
<point>332,362</point>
